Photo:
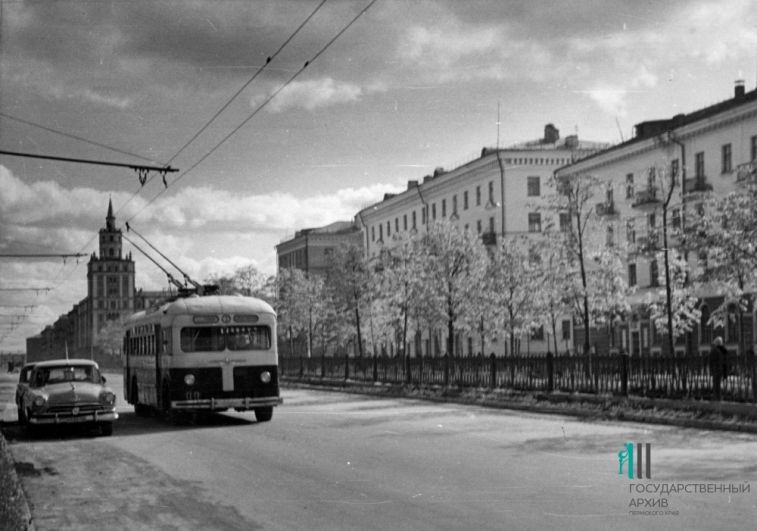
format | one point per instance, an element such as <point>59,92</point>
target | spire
<point>110,220</point>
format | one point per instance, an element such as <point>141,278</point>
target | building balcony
<point>606,208</point>
<point>649,197</point>
<point>489,238</point>
<point>698,184</point>
<point>650,242</point>
<point>746,174</point>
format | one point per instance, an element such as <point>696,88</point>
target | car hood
<point>68,392</point>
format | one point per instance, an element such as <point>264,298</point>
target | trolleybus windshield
<point>213,339</point>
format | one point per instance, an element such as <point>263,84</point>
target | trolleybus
<point>203,353</point>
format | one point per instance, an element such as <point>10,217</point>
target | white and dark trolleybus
<point>203,353</point>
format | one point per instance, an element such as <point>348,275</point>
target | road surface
<point>332,461</point>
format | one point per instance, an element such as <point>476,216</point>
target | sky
<point>410,86</point>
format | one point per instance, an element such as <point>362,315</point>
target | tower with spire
<point>110,280</point>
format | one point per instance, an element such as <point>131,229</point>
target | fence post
<point>408,375</point>
<point>623,358</point>
<point>492,371</point>
<point>550,372</point>
<point>346,367</point>
<point>446,370</point>
<point>375,368</point>
<point>751,372</point>
<point>716,368</point>
<point>302,367</point>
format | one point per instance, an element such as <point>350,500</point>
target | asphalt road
<point>332,461</point>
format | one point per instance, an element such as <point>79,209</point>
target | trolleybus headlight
<point>39,401</point>
<point>189,379</point>
<point>265,377</point>
<point>107,398</point>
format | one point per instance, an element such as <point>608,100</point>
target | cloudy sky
<point>410,86</point>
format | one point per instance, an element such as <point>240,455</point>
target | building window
<point>533,187</point>
<point>381,233</point>
<point>491,191</point>
<point>699,164</point>
<point>433,210</point>
<point>454,204</point>
<point>564,222</point>
<point>610,236</point>
<point>388,229</point>
<point>465,200</point>
<point>444,208</point>
<point>534,222</point>
<point>404,222</point>
<point>676,215</point>
<point>631,231</point>
<point>566,330</point>
<point>704,326</point>
<point>414,219</point>
<point>423,214</point>
<point>629,186</point>
<point>652,220</point>
<point>537,334</point>
<point>396,224</point>
<point>491,225</point>
<point>478,226</point>
<point>478,196</point>
<point>373,233</point>
<point>631,274</point>
<point>654,273</point>
<point>732,325</point>
<point>753,147</point>
<point>726,162</point>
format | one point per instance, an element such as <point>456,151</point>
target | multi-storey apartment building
<point>495,195</point>
<point>310,248</point>
<point>694,153</point>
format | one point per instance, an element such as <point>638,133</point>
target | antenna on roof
<point>498,124</point>
<point>620,131</point>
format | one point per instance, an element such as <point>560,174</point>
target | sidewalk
<point>14,508</point>
<point>699,414</point>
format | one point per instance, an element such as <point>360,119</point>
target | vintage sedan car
<point>68,392</point>
<point>21,387</point>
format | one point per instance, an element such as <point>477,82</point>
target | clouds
<point>313,94</point>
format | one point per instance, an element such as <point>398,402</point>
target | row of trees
<point>443,280</point>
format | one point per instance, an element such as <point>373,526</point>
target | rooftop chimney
<point>551,134</point>
<point>738,90</point>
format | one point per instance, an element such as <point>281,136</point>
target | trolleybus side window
<point>195,339</point>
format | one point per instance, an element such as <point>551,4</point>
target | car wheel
<point>106,428</point>
<point>263,414</point>
<point>22,420</point>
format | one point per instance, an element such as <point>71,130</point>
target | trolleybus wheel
<point>106,428</point>
<point>263,414</point>
<point>22,420</point>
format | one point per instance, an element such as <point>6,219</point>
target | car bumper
<point>227,403</point>
<point>63,418</point>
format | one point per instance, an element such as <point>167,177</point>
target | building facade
<point>688,156</point>
<point>498,195</point>
<point>309,250</point>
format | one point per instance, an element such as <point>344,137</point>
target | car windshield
<point>67,373</point>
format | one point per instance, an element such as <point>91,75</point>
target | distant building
<point>310,248</point>
<point>111,296</point>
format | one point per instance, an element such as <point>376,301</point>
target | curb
<point>593,407</point>
<point>18,494</point>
